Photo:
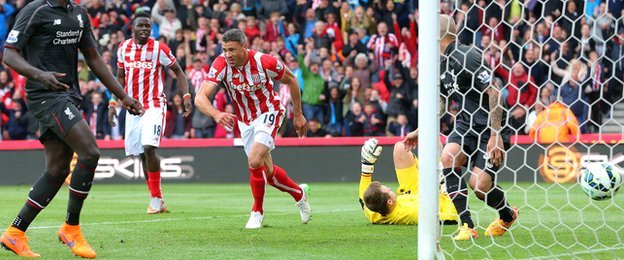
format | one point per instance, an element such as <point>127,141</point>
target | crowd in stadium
<point>356,60</point>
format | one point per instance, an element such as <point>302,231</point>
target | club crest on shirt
<point>255,78</point>
<point>69,113</point>
<point>81,23</point>
<point>148,55</point>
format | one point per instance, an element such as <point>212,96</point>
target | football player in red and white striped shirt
<point>248,78</point>
<point>141,62</point>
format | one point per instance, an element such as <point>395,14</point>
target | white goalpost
<point>429,131</point>
<point>560,65</point>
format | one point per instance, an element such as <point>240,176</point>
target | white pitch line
<point>180,219</point>
<point>576,253</point>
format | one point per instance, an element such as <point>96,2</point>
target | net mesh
<point>561,68</point>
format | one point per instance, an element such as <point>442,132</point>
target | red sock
<point>281,181</point>
<point>257,183</point>
<point>153,183</point>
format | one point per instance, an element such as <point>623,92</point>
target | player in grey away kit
<point>478,137</point>
<point>43,46</point>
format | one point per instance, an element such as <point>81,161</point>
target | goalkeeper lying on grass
<point>380,204</point>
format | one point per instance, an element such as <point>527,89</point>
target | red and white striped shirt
<point>197,77</point>
<point>378,44</point>
<point>251,86</point>
<point>144,69</point>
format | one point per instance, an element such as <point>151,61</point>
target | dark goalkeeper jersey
<point>49,34</point>
<point>464,78</point>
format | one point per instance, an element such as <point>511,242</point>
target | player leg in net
<point>478,137</point>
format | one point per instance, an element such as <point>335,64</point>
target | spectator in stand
<point>8,92</point>
<point>586,43</point>
<point>270,7</point>
<point>616,52</point>
<point>167,23</point>
<point>197,74</point>
<point>316,129</point>
<point>312,95</point>
<point>22,124</point>
<point>323,8</point>
<point>494,29</point>
<point>383,44</point>
<point>375,99</point>
<point>571,92</point>
<point>354,121</point>
<point>361,20</point>
<point>363,69</point>
<point>292,39</point>
<point>595,91</point>
<point>538,70</point>
<point>399,95</point>
<point>408,41</point>
<point>522,93</point>
<point>355,95</point>
<point>374,124</point>
<point>555,124</point>
<point>332,29</point>
<point>6,12</point>
<point>200,33</point>
<point>400,127</point>
<point>328,71</point>
<point>320,37</point>
<point>306,22</point>
<point>354,47</point>
<point>334,111</point>
<point>273,28</point>
<point>412,112</point>
<point>346,14</point>
<point>178,126</point>
<point>252,30</point>
<point>96,114</point>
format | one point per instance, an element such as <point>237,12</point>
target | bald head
<point>447,27</point>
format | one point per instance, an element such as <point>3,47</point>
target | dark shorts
<point>56,116</point>
<point>473,141</point>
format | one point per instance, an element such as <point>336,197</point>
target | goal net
<point>561,68</point>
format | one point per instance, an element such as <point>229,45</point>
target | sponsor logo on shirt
<point>57,22</point>
<point>67,37</point>
<point>140,64</point>
<point>245,87</point>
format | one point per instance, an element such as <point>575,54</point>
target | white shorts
<point>144,130</point>
<point>262,130</point>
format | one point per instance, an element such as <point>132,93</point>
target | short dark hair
<point>142,15</point>
<point>234,35</point>
<point>375,199</point>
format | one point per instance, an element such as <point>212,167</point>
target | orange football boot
<point>73,238</point>
<point>15,240</point>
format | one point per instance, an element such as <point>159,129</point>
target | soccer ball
<point>601,180</point>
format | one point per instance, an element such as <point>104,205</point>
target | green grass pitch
<point>207,220</point>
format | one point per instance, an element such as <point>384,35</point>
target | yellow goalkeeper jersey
<point>406,209</point>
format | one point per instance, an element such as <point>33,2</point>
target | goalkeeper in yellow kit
<point>380,204</point>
